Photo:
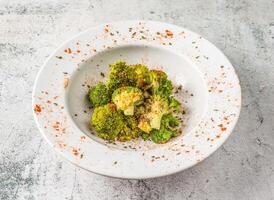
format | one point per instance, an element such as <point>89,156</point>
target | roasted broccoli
<point>167,129</point>
<point>174,104</point>
<point>135,102</point>
<point>157,107</point>
<point>111,124</point>
<point>142,76</point>
<point>107,121</point>
<point>99,95</point>
<point>120,75</point>
<point>161,136</point>
<point>125,98</point>
<point>130,130</point>
<point>170,121</point>
<point>160,83</point>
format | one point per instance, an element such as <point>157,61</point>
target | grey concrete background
<point>242,169</point>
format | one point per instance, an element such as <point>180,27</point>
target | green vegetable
<point>120,75</point>
<point>107,121</point>
<point>161,136</point>
<point>130,130</point>
<point>160,83</point>
<point>167,129</point>
<point>174,104</point>
<point>99,95</point>
<point>145,136</point>
<point>142,76</point>
<point>157,107</point>
<point>170,121</point>
<point>135,102</point>
<point>125,98</point>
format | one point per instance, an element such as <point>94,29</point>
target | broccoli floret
<point>99,95</point>
<point>174,104</point>
<point>120,75</point>
<point>130,130</point>
<point>144,123</point>
<point>170,121</point>
<point>161,136</point>
<point>125,98</point>
<point>160,83</point>
<point>167,130</point>
<point>157,107</point>
<point>111,124</point>
<point>131,122</point>
<point>142,76</point>
<point>134,102</point>
<point>107,121</point>
<point>145,136</point>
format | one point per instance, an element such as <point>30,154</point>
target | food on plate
<point>135,102</point>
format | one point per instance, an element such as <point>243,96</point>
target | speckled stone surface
<point>241,169</point>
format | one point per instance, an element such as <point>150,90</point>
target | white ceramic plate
<point>211,96</point>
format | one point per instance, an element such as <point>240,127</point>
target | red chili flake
<point>55,126</point>
<point>78,51</point>
<point>169,33</point>
<point>75,152</point>
<point>37,108</point>
<point>66,82</point>
<point>223,129</point>
<point>62,145</point>
<point>68,50</point>
<point>94,50</point>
